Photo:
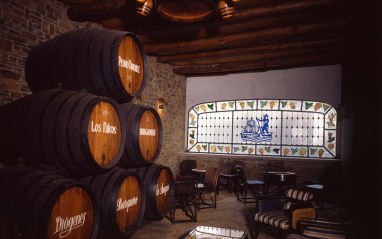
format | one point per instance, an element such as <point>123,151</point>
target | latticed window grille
<point>288,128</point>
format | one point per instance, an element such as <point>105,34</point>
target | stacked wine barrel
<point>46,205</point>
<point>88,154</point>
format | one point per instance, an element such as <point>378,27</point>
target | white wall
<point>322,83</point>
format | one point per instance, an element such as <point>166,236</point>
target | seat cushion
<point>296,236</point>
<point>299,195</point>
<point>315,186</point>
<point>255,182</point>
<point>274,218</point>
<point>227,175</point>
<point>323,233</point>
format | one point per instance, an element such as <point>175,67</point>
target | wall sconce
<point>161,103</point>
<point>144,7</point>
<point>226,9</point>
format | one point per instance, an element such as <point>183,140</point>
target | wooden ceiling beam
<point>258,50</point>
<point>228,41</point>
<point>263,65</point>
<point>246,19</point>
<point>281,8</point>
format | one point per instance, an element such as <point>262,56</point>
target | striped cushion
<point>273,218</point>
<point>287,205</point>
<point>296,236</point>
<point>323,233</point>
<point>299,195</point>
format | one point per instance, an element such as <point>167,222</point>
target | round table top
<point>198,170</point>
<point>282,173</point>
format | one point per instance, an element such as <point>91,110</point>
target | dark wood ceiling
<point>262,35</point>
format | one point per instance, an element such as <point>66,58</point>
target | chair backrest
<point>187,178</point>
<point>186,167</point>
<point>185,188</point>
<point>234,164</point>
<point>298,195</point>
<point>211,178</point>
<point>241,174</point>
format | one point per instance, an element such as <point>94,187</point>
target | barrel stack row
<point>89,155</point>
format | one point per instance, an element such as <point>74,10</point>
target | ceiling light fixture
<point>186,10</point>
<point>144,7</point>
<point>226,9</point>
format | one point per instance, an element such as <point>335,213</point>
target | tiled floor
<point>230,214</point>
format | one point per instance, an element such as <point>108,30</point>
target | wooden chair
<point>324,189</point>
<point>284,214</point>
<point>185,198</point>
<point>208,186</point>
<point>186,167</point>
<point>229,180</point>
<point>243,185</point>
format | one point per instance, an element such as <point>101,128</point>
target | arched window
<point>285,128</point>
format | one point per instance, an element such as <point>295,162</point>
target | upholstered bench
<point>316,229</point>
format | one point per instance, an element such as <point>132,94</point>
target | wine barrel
<point>122,201</point>
<point>187,10</point>
<point>104,62</point>
<point>46,205</point>
<point>144,136</point>
<point>159,188</point>
<point>72,133</point>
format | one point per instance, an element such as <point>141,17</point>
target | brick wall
<point>257,167</point>
<point>25,24</point>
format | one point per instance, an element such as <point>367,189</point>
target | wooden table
<point>281,179</point>
<point>199,174</point>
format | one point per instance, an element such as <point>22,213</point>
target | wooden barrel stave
<point>36,65</point>
<point>65,128</point>
<point>25,126</point>
<point>83,58</point>
<point>35,194</point>
<point>107,188</point>
<point>7,147</point>
<point>63,53</point>
<point>150,175</point>
<point>22,208</point>
<point>93,65</point>
<point>115,46</point>
<point>62,140</point>
<point>49,146</point>
<point>17,190</point>
<point>136,153</point>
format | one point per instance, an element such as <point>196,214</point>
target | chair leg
<point>245,196</point>
<point>256,227</point>
<point>173,214</point>
<point>215,203</point>
<point>196,213</point>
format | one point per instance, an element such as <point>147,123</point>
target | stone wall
<point>163,83</point>
<point>25,24</point>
